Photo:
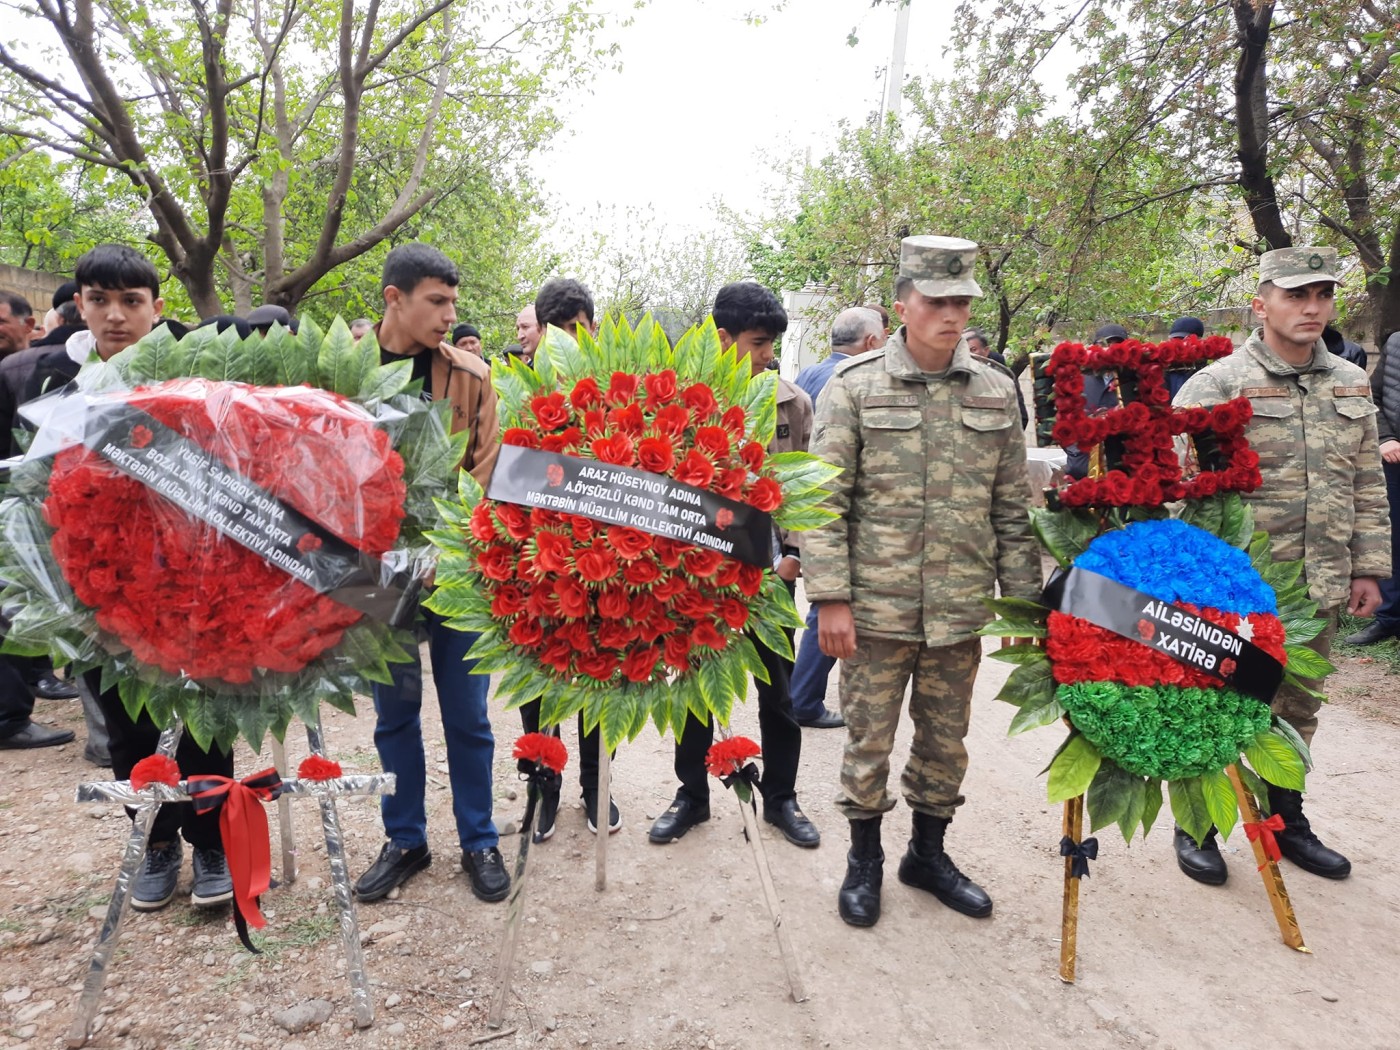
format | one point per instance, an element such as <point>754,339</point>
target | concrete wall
<point>35,285</point>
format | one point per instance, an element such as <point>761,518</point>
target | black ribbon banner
<point>637,499</point>
<point>203,486</point>
<point>1185,637</point>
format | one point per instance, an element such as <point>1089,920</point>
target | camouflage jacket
<point>1323,499</point>
<point>793,434</point>
<point>932,499</point>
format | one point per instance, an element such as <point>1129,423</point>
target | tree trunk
<point>1254,20</point>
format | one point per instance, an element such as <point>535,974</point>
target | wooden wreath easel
<point>148,802</point>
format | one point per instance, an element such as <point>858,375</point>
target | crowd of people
<point>932,517</point>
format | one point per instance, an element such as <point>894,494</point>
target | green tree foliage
<point>276,143</point>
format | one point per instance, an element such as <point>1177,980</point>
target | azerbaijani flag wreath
<point>1160,640</point>
<point>620,564</point>
<point>230,533</point>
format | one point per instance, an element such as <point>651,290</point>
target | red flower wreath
<point>544,749</point>
<point>181,596</point>
<point>606,601</point>
<point>727,757</point>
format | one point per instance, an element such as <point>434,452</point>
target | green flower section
<point>1165,732</point>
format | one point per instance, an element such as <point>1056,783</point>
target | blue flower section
<point>1177,562</point>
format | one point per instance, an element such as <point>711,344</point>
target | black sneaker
<point>213,885</point>
<point>393,868</point>
<point>160,871</point>
<point>590,804</point>
<point>548,810</point>
<point>487,872</point>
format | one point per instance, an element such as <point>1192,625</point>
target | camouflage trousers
<point>1293,705</point>
<point>873,683</point>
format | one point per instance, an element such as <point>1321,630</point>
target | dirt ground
<point>678,951</point>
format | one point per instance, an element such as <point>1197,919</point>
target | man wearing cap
<point>1323,499</point>
<point>264,317</point>
<point>466,337</point>
<point>1183,328</point>
<point>1100,395</point>
<point>931,516</point>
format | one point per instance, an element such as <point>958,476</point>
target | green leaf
<point>1277,762</point>
<point>1290,736</point>
<point>1300,629</point>
<point>1033,716</point>
<point>1151,803</point>
<point>1073,769</point>
<point>156,356</point>
<point>385,381</point>
<point>220,358</point>
<point>342,365</point>
<point>1307,663</point>
<point>1131,816</point>
<point>1189,806</point>
<point>1255,785</point>
<point>1019,654</point>
<point>1221,803</point>
<point>1111,793</point>
<point>1032,683</point>
<point>1064,534</point>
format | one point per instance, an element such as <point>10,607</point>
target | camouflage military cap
<point>1295,267</point>
<point>939,265</point>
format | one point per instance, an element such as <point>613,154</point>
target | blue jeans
<point>398,735</point>
<point>810,674</point>
<point>1388,615</point>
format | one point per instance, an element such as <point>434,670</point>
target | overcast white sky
<point>706,103</point>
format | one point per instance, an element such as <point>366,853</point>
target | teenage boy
<point>420,308</point>
<point>750,318</point>
<point>119,299</point>
<point>568,305</point>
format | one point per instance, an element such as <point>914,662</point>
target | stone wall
<point>35,285</point>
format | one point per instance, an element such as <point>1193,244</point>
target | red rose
<point>641,572</point>
<point>671,420</point>
<point>496,562</point>
<point>628,419</point>
<point>613,603</point>
<point>750,580</point>
<point>629,543</point>
<point>730,483</point>
<point>520,436</point>
<point>583,529</point>
<point>669,588</point>
<point>508,601</point>
<point>669,551</point>
<point>733,420</point>
<point>543,600</point>
<point>516,520</point>
<point>695,470</point>
<point>735,613</point>
<point>552,552</point>
<point>656,455</point>
<point>573,599</point>
<point>700,399</point>
<point>692,603</point>
<point>752,454</point>
<point>677,651</point>
<point>579,637</point>
<point>702,562</point>
<point>586,394</point>
<point>661,389</point>
<point>638,665</point>
<point>616,449</point>
<point>483,523</point>
<point>595,422</point>
<point>766,495</point>
<point>713,441</point>
<point>728,574</point>
<point>599,665</point>
<point>566,441</point>
<point>709,636</point>
<point>642,606</point>
<point>526,632</point>
<point>596,564</point>
<point>622,390</point>
<point>549,409</point>
<point>616,634</point>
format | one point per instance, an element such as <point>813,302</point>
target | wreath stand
<point>148,802</point>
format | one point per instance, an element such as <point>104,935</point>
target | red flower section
<point>607,601</point>
<point>1080,651</point>
<point>544,749</point>
<point>727,757</point>
<point>181,596</point>
<point>155,769</point>
<point>317,767</point>
<point>1147,472</point>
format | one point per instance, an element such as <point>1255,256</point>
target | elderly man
<point>529,331</point>
<point>16,323</point>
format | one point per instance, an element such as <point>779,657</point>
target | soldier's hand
<point>836,630</point>
<point>789,568</point>
<point>1365,596</point>
<point>1390,451</point>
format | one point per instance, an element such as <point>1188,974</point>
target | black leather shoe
<point>1298,843</point>
<point>1372,633</point>
<point>1202,863</point>
<point>859,900</point>
<point>793,823</point>
<point>549,810</point>
<point>393,868</point>
<point>34,735</point>
<point>828,719</point>
<point>683,815</point>
<point>590,806</point>
<point>926,866</point>
<point>50,687</point>
<point>487,872</point>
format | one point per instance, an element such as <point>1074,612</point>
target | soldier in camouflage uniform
<point>1323,499</point>
<point>932,514</point>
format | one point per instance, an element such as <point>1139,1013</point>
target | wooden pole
<point>284,816</point>
<point>770,894</point>
<point>1069,914</point>
<point>515,907</point>
<point>1273,878</point>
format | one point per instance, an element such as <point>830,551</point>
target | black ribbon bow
<point>1082,853</point>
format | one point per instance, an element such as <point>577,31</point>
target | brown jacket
<point>465,380</point>
<point>793,434</point>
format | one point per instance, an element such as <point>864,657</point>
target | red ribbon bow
<point>243,827</point>
<point>1264,829</point>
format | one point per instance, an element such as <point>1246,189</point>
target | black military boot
<point>927,867</point>
<point>1298,843</point>
<point>859,899</point>
<point>1201,862</point>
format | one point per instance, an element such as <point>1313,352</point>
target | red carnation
<point>661,388</point>
<point>622,389</point>
<point>656,455</point>
<point>695,470</point>
<point>497,563</point>
<point>155,769</point>
<point>712,441</point>
<point>550,410</point>
<point>639,663</point>
<point>700,399</point>
<point>1227,667</point>
<point>641,572</point>
<point>629,543</point>
<point>521,437</point>
<point>318,767</point>
<point>616,449</point>
<point>140,436</point>
<point>752,454</point>
<point>586,394</point>
<point>543,749</point>
<point>735,613</point>
<point>766,495</point>
<point>727,757</point>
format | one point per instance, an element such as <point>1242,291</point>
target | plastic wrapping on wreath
<point>215,536</point>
